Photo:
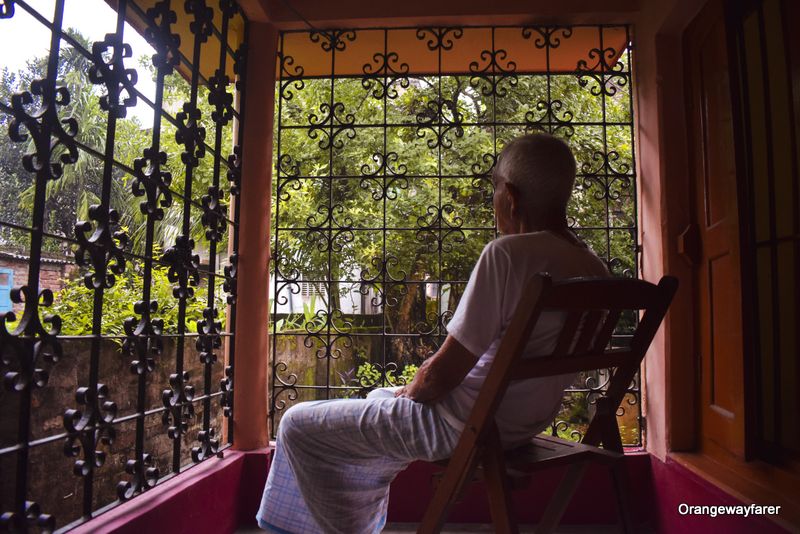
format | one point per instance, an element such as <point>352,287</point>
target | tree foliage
<point>75,303</point>
<point>426,209</point>
<point>69,198</point>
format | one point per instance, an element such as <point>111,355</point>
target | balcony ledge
<point>222,495</point>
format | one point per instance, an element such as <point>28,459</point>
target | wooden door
<point>714,235</point>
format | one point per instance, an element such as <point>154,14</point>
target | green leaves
<point>369,374</point>
<point>74,303</point>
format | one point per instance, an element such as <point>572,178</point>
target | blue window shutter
<point>6,283</point>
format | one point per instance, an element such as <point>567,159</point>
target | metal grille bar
<point>180,197</point>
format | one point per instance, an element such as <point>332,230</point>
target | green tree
<point>69,198</point>
<point>14,178</point>
<point>600,201</point>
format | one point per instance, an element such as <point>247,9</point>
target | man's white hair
<point>542,168</point>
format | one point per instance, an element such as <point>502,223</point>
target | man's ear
<point>513,199</point>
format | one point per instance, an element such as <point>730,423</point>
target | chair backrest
<point>592,309</point>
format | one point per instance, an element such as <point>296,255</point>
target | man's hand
<point>440,373</point>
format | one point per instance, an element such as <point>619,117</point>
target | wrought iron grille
<point>382,201</point>
<point>117,372</point>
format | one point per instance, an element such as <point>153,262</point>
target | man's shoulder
<point>528,244</point>
<point>543,250</point>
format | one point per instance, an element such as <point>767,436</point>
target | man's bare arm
<point>440,373</point>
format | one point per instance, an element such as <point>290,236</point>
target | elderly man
<point>334,460</point>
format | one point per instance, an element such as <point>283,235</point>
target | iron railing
<point>162,195</point>
<point>382,191</point>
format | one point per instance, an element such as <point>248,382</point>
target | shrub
<point>368,375</point>
<point>75,303</point>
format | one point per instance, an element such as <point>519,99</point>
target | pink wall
<point>215,497</point>
<point>664,213</point>
<point>593,503</point>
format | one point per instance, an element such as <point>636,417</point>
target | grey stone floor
<point>464,529</point>
<point>403,528</point>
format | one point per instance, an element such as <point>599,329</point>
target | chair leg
<point>619,478</point>
<point>497,487</point>
<point>459,470</point>
<point>560,500</point>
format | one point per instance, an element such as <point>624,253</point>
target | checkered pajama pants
<point>334,461</point>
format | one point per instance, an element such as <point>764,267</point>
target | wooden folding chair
<point>592,309</point>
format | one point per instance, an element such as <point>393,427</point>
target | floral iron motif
<point>89,428</point>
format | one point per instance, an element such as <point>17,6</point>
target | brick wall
<point>51,275</point>
<point>53,484</point>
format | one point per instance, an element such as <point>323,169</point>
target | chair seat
<point>544,451</point>
<point>549,451</point>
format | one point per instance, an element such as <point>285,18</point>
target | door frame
<point>695,28</point>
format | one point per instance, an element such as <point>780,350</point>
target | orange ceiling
<point>469,52</point>
<point>209,51</point>
<point>513,50</point>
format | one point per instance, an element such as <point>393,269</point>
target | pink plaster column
<point>252,339</point>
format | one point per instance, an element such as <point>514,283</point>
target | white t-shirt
<point>484,313</point>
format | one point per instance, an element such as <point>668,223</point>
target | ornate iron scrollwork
<point>440,229</point>
<point>387,176</point>
<point>6,9</point>
<point>145,475</point>
<point>44,117</point>
<point>235,170</point>
<point>483,169</point>
<point>550,116</point>
<point>239,62</point>
<point>209,340</point>
<point>546,36</point>
<point>291,75</point>
<point>109,70</point>
<point>331,40</point>
<point>30,344</point>
<point>178,403</point>
<point>440,38</point>
<point>31,518</point>
<point>331,123</point>
<point>607,74</point>
<point>606,163</point>
<point>230,283</point>
<point>51,136</point>
<point>191,135</point>
<point>183,267</point>
<point>496,68</point>
<point>104,248</point>
<point>385,72</point>
<point>143,337</point>
<point>437,120</point>
<point>202,25</point>
<point>152,181</point>
<point>166,44</point>
<point>229,8</point>
<point>209,445</point>
<point>89,428</point>
<point>220,98</point>
<point>213,218</point>
<point>226,387</point>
